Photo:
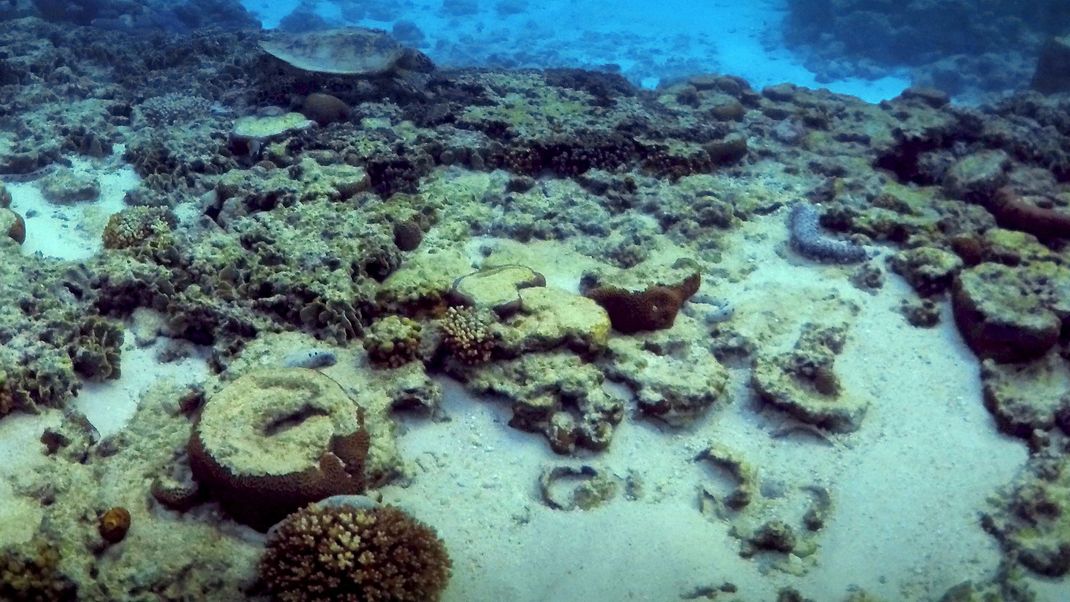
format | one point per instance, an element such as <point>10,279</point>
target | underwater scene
<point>517,301</point>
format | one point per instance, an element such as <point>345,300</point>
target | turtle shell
<point>348,51</point>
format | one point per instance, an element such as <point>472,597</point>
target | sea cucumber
<point>810,242</point>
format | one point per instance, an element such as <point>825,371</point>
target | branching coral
<point>341,552</point>
<point>467,334</point>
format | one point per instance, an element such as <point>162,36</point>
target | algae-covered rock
<point>1001,316</point>
<point>929,270</point>
<point>976,177</point>
<point>1031,517</point>
<point>1026,397</point>
<point>744,475</point>
<point>550,317</point>
<point>423,281</point>
<point>557,394</point>
<point>66,186</point>
<point>673,380</point>
<point>803,383</point>
<point>277,439</point>
<point>496,288</point>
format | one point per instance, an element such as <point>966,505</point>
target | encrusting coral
<point>342,552</point>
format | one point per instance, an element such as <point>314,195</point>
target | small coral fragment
<point>114,524</point>
<point>467,334</point>
<point>393,341</point>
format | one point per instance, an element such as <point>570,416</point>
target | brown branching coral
<point>344,553</point>
<point>467,334</point>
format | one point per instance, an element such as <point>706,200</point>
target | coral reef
<point>345,552</point>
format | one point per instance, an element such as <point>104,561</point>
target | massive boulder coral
<point>638,300</point>
<point>277,439</point>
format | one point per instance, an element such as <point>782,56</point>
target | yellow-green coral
<point>393,341</point>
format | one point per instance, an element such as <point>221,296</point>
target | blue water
<point>650,45</point>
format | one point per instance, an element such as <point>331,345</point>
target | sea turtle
<point>349,51</point>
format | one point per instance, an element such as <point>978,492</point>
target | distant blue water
<point>649,43</point>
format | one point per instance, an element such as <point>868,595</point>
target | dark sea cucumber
<point>809,241</point>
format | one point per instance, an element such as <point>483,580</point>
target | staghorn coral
<point>340,552</point>
<point>467,334</point>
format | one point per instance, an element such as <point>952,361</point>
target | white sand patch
<point>111,404</point>
<point>906,488</point>
<point>21,451</point>
<point>73,231</point>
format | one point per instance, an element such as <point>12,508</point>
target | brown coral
<point>274,440</point>
<point>114,524</point>
<point>467,334</point>
<point>347,553</point>
<point>653,308</point>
